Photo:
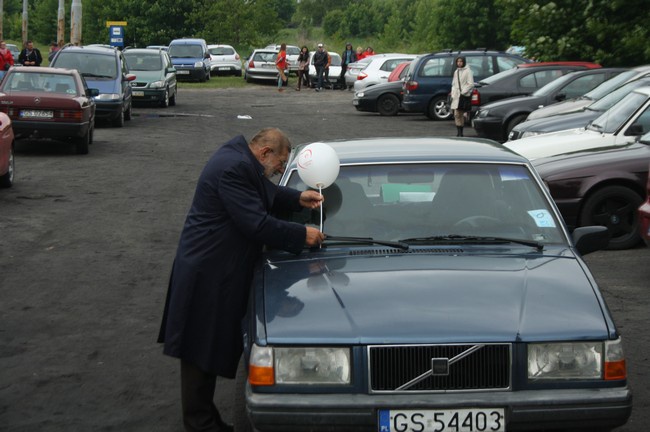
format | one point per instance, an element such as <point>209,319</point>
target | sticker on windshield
<point>542,218</point>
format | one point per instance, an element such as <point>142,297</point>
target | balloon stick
<point>320,191</point>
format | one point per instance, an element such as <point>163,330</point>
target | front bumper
<point>524,410</point>
<point>148,95</point>
<point>364,104</point>
<point>193,74</point>
<point>489,127</point>
<point>108,110</point>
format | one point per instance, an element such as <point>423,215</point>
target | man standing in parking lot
<point>30,56</point>
<point>228,224</point>
<point>348,56</point>
<point>320,62</point>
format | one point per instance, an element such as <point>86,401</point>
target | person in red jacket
<point>6,59</point>
<point>281,64</point>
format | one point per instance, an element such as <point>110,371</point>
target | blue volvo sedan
<point>447,296</point>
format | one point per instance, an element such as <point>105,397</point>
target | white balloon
<point>318,165</point>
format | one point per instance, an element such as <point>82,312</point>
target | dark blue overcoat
<point>223,235</point>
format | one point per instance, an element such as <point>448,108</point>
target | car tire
<point>439,110</point>
<point>119,121</point>
<point>128,112</point>
<point>511,125</point>
<point>241,422</point>
<point>616,208</point>
<point>81,143</point>
<point>388,105</point>
<point>7,180</point>
<point>172,98</point>
<point>247,78</point>
<point>165,101</point>
<point>207,76</point>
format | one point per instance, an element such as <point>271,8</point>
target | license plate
<point>224,68</point>
<point>183,72</point>
<point>36,114</point>
<point>355,102</point>
<point>458,420</point>
<point>138,93</point>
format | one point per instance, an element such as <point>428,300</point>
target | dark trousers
<point>197,394</point>
<point>319,72</point>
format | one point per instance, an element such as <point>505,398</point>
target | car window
<point>221,51</point>
<point>539,79</point>
<point>185,51</point>
<point>49,82</point>
<point>611,84</point>
<point>481,66</point>
<point>335,59</point>
<point>641,125</point>
<point>143,62</point>
<point>437,67</point>
<point>507,63</point>
<point>88,64</point>
<point>582,85</point>
<point>606,102</point>
<point>399,201</point>
<point>293,51</point>
<point>390,65</point>
<point>265,57</point>
<point>612,119</point>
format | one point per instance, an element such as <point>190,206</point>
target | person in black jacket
<point>348,56</point>
<point>227,225</point>
<point>30,56</point>
<point>303,68</point>
<point>320,62</point>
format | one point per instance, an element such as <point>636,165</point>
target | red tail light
<point>476,98</point>
<point>362,75</point>
<point>251,64</point>
<point>236,56</point>
<point>73,115</point>
<point>410,85</point>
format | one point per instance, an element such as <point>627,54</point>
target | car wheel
<point>512,123</point>
<point>616,208</point>
<point>247,78</point>
<point>81,143</point>
<point>172,98</point>
<point>439,110</point>
<point>165,101</point>
<point>207,76</point>
<point>119,121</point>
<point>92,133</point>
<point>240,416</point>
<point>388,105</point>
<point>127,113</point>
<point>7,180</point>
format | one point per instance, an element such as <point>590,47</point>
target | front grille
<point>483,367</point>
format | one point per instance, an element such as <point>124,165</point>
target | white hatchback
<point>224,60</point>
<point>379,68</point>
<point>292,56</point>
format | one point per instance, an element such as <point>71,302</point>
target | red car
<point>644,216</point>
<point>49,103</point>
<point>6,152</point>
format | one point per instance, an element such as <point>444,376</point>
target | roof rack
<point>482,49</point>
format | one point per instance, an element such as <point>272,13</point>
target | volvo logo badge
<point>440,366</point>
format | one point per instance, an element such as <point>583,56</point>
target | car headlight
<point>567,360</point>
<point>157,84</point>
<point>482,113</point>
<point>108,96</point>
<point>529,134</point>
<point>198,64</point>
<point>360,94</point>
<point>299,365</point>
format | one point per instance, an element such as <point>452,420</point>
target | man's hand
<point>314,237</point>
<point>311,199</point>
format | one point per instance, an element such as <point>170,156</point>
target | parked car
<point>448,291</point>
<point>353,70</point>
<point>495,120</point>
<point>399,72</point>
<point>521,80</point>
<point>385,99</point>
<point>47,102</point>
<point>191,59</point>
<point>576,104</point>
<point>292,56</point>
<point>155,76</point>
<point>379,68</point>
<point>602,186</point>
<point>7,162</point>
<point>261,65</point>
<point>15,52</point>
<point>162,47</point>
<point>429,79</point>
<point>644,210</point>
<point>579,119</point>
<point>106,70</point>
<point>333,79</point>
<point>620,125</point>
<point>225,60</point>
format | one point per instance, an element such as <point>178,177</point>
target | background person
<point>348,56</point>
<point>303,67</point>
<point>227,225</point>
<point>30,56</point>
<point>281,64</point>
<point>360,53</point>
<point>6,59</point>
<point>462,83</point>
<point>320,61</point>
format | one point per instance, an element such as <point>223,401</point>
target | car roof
<point>219,45</point>
<point>187,41</point>
<point>47,69</point>
<point>143,50</point>
<point>423,149</point>
<point>585,64</point>
<point>91,49</point>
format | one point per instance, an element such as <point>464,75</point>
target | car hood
<point>566,141</point>
<point>514,102</point>
<point>104,85</point>
<point>558,122</point>
<point>147,76</point>
<point>425,299</point>
<point>564,107</point>
<point>383,87</point>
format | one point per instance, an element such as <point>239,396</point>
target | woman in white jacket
<point>462,83</point>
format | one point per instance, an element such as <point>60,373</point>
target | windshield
<point>609,85</point>
<point>406,201</point>
<point>143,62</point>
<point>90,65</point>
<point>553,85</point>
<point>185,51</point>
<point>606,102</point>
<point>47,82</point>
<point>611,120</point>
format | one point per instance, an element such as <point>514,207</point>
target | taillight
<point>476,98</point>
<point>362,75</point>
<point>410,85</point>
<point>236,56</point>
<point>251,64</point>
<point>74,115</point>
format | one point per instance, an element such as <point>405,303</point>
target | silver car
<point>353,70</point>
<point>261,65</point>
<point>292,56</point>
<point>224,60</point>
<point>379,68</point>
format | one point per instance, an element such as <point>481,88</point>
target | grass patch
<point>216,82</point>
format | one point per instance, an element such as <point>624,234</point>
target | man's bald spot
<point>273,138</point>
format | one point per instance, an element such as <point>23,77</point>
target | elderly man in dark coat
<point>229,222</point>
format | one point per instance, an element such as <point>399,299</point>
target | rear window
<point>221,51</point>
<point>265,56</point>
<point>540,78</point>
<point>437,67</point>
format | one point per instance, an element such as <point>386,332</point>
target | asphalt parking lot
<point>87,242</point>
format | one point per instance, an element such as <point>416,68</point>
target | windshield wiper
<point>368,240</point>
<point>473,239</point>
<point>88,74</point>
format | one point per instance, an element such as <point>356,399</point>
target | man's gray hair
<point>271,137</point>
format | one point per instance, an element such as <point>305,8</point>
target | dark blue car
<point>448,295</point>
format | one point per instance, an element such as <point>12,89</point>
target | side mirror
<point>634,130</point>
<point>560,97</point>
<point>590,239</point>
<point>129,77</point>
<point>92,92</point>
<point>170,70</point>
